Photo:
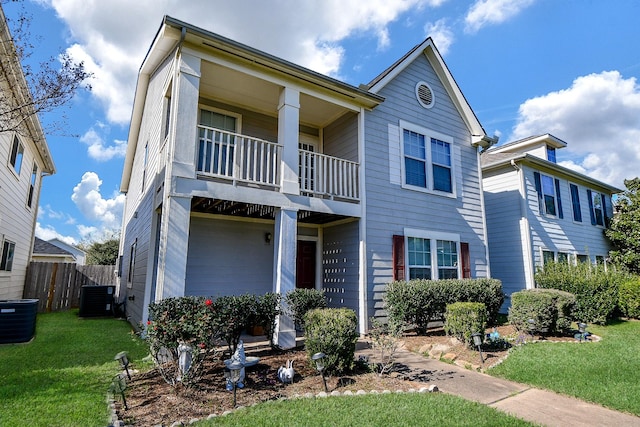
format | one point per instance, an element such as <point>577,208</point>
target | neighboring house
<point>44,251</point>
<point>246,173</point>
<point>24,160</point>
<point>78,254</point>
<point>538,211</point>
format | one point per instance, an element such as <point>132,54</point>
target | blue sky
<point>527,67</point>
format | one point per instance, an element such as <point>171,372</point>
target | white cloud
<point>441,34</point>
<point>87,197</point>
<point>486,12</point>
<point>598,117</point>
<point>48,232</point>
<point>98,150</point>
<point>113,37</point>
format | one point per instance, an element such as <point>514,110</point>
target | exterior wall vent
<point>424,95</point>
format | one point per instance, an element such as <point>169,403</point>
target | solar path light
<point>319,359</point>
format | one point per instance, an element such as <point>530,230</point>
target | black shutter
<point>536,178</point>
<point>591,214</point>
<point>559,199</point>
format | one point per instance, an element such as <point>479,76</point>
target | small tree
<point>624,231</point>
<point>103,253</point>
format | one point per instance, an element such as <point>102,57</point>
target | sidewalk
<point>529,403</point>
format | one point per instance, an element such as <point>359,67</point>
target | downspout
<point>525,230</point>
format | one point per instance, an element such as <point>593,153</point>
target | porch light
<point>267,237</point>
<point>124,361</point>
<point>477,341</point>
<point>233,375</point>
<point>318,358</point>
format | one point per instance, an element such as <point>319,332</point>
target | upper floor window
<point>575,202</point>
<point>32,184</point>
<point>596,205</point>
<point>216,141</point>
<point>167,116</point>
<point>6,257</point>
<point>428,160</point>
<point>548,190</point>
<point>551,154</point>
<point>17,152</point>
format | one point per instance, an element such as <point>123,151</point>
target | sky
<point>526,67</point>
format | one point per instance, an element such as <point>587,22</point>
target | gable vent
<point>424,95</point>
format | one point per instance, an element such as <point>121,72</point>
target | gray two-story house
<point>246,173</point>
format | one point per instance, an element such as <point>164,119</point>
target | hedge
<point>417,302</point>
<point>332,331</point>
<point>629,298</point>
<point>550,310</point>
<point>462,319</point>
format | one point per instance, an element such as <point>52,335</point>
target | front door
<point>306,265</point>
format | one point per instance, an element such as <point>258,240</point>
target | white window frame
<point>555,196</point>
<point>433,237</point>
<point>132,263</point>
<point>428,136</point>
<point>237,116</point>
<point>32,185</point>
<point>595,194</point>
<point>5,247</point>
<point>15,163</point>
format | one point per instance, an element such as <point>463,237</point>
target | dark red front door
<point>306,265</point>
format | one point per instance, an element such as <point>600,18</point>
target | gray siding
<point>389,207</point>
<point>228,258</point>
<point>341,138</point>
<point>340,271</point>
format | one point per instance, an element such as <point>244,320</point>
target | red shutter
<point>398,257</point>
<point>465,259</point>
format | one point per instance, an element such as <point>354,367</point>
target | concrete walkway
<point>529,403</point>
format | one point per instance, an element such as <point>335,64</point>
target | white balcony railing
<point>238,157</point>
<point>328,176</point>
<point>241,158</point>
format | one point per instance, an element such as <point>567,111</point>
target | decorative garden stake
<point>477,341</point>
<point>124,361</point>
<point>319,359</point>
<point>185,358</point>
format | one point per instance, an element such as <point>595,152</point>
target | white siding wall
<point>507,235</point>
<point>228,257</point>
<point>16,218</point>
<point>390,208</point>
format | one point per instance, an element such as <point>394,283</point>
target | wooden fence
<point>57,284</point>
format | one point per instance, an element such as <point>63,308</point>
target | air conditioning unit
<point>96,300</point>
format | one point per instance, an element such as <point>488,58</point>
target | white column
<point>186,117</point>
<point>284,272</point>
<point>174,245</point>
<point>288,135</point>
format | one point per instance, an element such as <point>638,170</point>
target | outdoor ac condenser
<point>96,300</point>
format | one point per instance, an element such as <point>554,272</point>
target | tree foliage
<point>103,253</point>
<point>52,83</point>
<point>624,231</point>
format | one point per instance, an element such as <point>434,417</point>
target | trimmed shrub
<point>332,331</point>
<point>596,290</point>
<point>232,315</point>
<point>300,301</point>
<point>462,319</point>
<point>550,310</point>
<point>267,311</point>
<point>417,302</point>
<point>629,298</point>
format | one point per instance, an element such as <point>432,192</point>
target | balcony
<point>241,159</point>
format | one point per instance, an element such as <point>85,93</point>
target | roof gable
<point>429,50</point>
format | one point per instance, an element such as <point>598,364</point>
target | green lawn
<point>61,378</point>
<point>431,409</point>
<point>605,372</point>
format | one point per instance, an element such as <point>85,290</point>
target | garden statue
<point>185,357</point>
<point>286,373</point>
<point>238,356</point>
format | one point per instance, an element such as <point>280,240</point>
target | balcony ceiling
<point>252,93</point>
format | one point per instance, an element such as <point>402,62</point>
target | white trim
<point>237,116</point>
<point>433,95</point>
<point>429,234</point>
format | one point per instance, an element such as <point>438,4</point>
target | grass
<point>370,410</point>
<point>604,372</point>
<point>61,378</point>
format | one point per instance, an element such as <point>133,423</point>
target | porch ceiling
<point>250,210</point>
<point>253,93</point>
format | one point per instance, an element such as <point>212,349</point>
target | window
<point>6,260</point>
<point>145,160</point>
<point>596,207</point>
<point>17,152</point>
<point>582,258</point>
<point>216,142</point>
<point>429,255</point>
<point>32,185</point>
<point>132,263</point>
<point>548,190</point>
<point>575,202</point>
<point>419,251</point>
<point>428,160</point>
<point>547,257</point>
<point>600,259</point>
<point>551,154</point>
<point>563,257</point>
<point>167,116</point>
